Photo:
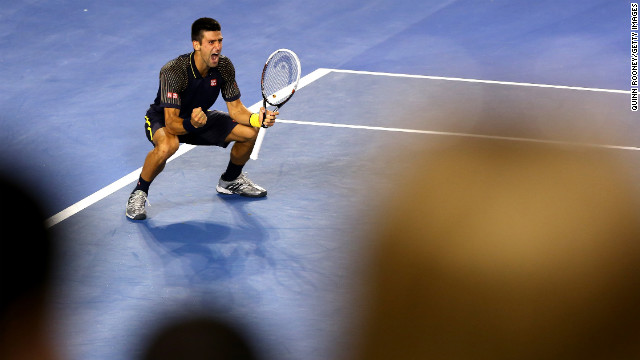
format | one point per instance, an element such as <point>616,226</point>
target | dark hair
<point>203,24</point>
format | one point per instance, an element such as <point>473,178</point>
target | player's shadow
<point>200,252</point>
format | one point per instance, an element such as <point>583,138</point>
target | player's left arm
<point>231,94</point>
<point>240,114</point>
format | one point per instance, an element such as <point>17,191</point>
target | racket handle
<point>264,105</point>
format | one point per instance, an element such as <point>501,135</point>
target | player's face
<point>210,47</point>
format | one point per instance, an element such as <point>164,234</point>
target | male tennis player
<point>189,85</point>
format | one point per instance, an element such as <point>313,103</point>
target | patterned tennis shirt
<point>183,87</point>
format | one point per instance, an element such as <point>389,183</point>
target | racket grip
<point>264,106</point>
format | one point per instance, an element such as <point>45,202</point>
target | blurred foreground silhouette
<point>506,250</point>
<point>27,263</point>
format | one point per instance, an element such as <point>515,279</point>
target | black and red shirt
<point>183,87</point>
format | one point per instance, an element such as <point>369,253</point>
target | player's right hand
<point>198,117</point>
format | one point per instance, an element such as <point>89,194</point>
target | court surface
<point>384,81</point>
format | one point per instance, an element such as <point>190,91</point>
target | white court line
<point>480,81</point>
<point>106,191</point>
<point>322,72</point>
<point>445,133</point>
<point>317,74</point>
<point>308,79</point>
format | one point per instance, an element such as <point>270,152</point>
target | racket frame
<point>265,100</point>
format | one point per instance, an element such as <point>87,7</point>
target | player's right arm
<point>179,126</point>
<point>173,80</point>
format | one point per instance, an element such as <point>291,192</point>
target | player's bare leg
<point>166,145</point>
<point>233,181</point>
<point>244,141</point>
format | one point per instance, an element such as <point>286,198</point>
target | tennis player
<point>189,85</point>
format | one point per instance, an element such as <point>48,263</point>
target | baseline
<point>468,135</point>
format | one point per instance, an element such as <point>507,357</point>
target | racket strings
<point>279,78</point>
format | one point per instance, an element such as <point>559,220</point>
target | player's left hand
<point>267,117</point>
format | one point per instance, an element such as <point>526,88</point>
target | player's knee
<point>252,134</point>
<point>245,134</point>
<point>167,148</point>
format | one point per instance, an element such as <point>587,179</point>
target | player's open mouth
<point>215,57</point>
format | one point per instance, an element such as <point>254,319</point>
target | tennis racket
<point>280,78</point>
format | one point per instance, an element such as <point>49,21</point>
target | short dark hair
<point>203,24</point>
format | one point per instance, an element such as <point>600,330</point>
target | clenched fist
<point>198,118</point>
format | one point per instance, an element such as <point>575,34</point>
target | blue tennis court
<point>383,81</point>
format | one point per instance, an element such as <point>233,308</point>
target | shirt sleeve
<point>230,91</point>
<point>173,80</point>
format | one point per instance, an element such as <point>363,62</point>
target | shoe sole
<point>224,191</point>
<point>137,217</point>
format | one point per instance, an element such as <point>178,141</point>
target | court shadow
<point>189,251</point>
<point>198,252</point>
<point>292,266</point>
<point>206,254</point>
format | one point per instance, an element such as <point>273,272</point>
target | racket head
<point>280,77</point>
